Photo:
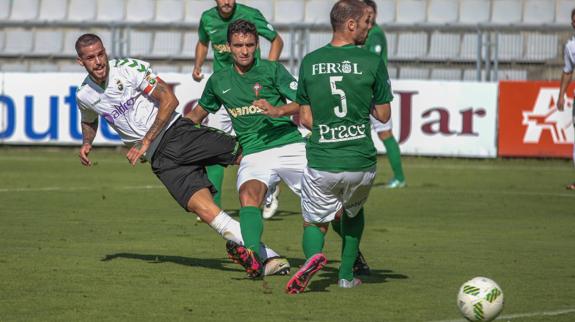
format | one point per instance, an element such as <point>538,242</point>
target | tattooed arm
<point>167,103</point>
<point>89,131</point>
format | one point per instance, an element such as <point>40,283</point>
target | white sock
<point>229,229</point>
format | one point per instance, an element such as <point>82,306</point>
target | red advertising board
<point>530,123</point>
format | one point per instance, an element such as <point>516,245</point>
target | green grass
<point>108,243</point>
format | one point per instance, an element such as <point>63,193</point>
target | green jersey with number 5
<point>340,84</point>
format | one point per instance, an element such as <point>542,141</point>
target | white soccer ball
<point>480,299</point>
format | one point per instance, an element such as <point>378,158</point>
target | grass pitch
<point>108,243</point>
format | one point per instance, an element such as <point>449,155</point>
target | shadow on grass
<point>328,276</point>
<point>186,261</point>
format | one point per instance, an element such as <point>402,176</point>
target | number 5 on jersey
<point>340,111</point>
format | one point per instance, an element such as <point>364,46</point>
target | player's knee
<point>384,135</point>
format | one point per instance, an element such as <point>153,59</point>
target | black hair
<point>86,40</point>
<point>243,27</point>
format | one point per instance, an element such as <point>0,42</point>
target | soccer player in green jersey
<point>213,28</point>
<point>377,44</point>
<point>273,148</point>
<point>340,86</point>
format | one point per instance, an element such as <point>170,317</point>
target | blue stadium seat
<point>539,12</point>
<point>24,10</point>
<point>474,11</point>
<point>82,10</point>
<point>53,10</point>
<point>111,10</point>
<point>443,11</point>
<point>411,11</point>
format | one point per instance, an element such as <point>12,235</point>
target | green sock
<point>394,157</point>
<point>252,227</point>
<point>216,176</point>
<point>351,229</point>
<point>313,240</point>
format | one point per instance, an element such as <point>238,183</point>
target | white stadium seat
<point>318,39</point>
<point>140,10</point>
<point>195,8</point>
<point>266,7</point>
<point>411,11</point>
<point>392,72</point>
<point>541,46</point>
<point>413,73</point>
<point>24,10</point>
<point>111,10</point>
<point>391,44</point>
<point>471,75</point>
<point>506,11</point>
<point>4,9</point>
<point>444,45</point>
<point>167,44</point>
<point>70,37</point>
<point>563,11</point>
<point>386,10</point>
<point>469,45</point>
<point>289,11</point>
<point>512,74</point>
<point>443,11</point>
<point>539,12</point>
<point>317,11</point>
<point>446,74</point>
<point>412,45</point>
<point>474,11</point>
<point>510,47</point>
<point>140,43</point>
<point>70,67</point>
<point>285,54</point>
<point>15,67</point>
<point>53,10</point>
<point>170,11</point>
<point>82,10</point>
<point>42,67</point>
<point>189,43</point>
<point>18,41</point>
<point>187,69</point>
<point>165,68</point>
<point>48,42</point>
<point>2,39</point>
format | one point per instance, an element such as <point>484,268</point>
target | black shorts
<point>184,152</point>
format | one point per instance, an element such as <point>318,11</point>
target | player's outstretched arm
<point>200,57</point>
<point>276,48</point>
<point>565,80</point>
<point>382,112</point>
<point>167,103</point>
<point>197,115</point>
<point>277,111</point>
<point>89,131</point>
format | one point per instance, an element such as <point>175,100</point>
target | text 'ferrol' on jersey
<point>345,67</point>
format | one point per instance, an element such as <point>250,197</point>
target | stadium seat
<point>195,8</point>
<point>474,11</point>
<point>453,74</point>
<point>70,67</point>
<point>187,69</point>
<point>318,39</point>
<point>563,11</point>
<point>510,47</point>
<point>70,37</point>
<point>82,10</point>
<point>18,41</point>
<point>512,74</point>
<point>385,11</point>
<point>469,47</point>
<point>140,43</point>
<point>411,11</point>
<point>444,46</point>
<point>392,72</point>
<point>412,45</point>
<point>15,67</point>
<point>140,10</point>
<point>506,11</point>
<point>48,42</point>
<point>442,11</point>
<point>265,46</point>
<point>165,68</point>
<point>391,44</point>
<point>541,46</point>
<point>2,40</point>
<point>4,9</point>
<point>24,10</point>
<point>285,54</point>
<point>189,44</point>
<point>266,7</point>
<point>317,11</point>
<point>170,11</point>
<point>289,11</point>
<point>539,12</point>
<point>53,10</point>
<point>111,10</point>
<point>167,44</point>
<point>471,75</point>
<point>42,67</point>
<point>413,73</point>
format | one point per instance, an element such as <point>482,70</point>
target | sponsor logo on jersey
<point>244,110</point>
<point>119,110</point>
<point>257,87</point>
<point>545,117</point>
<point>345,67</point>
<point>221,48</point>
<point>340,133</point>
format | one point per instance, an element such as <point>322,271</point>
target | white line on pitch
<point>522,315</point>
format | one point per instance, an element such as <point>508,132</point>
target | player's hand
<point>197,74</point>
<point>84,151</point>
<point>561,103</point>
<point>267,108</point>
<point>137,151</point>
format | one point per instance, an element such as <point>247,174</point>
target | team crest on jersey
<point>293,85</point>
<point>346,67</point>
<point>257,88</point>
<point>119,85</point>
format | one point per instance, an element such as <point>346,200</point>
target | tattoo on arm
<point>89,131</point>
<point>167,103</point>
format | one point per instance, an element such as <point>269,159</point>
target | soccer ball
<point>480,299</point>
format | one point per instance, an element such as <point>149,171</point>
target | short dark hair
<point>344,10</point>
<point>243,27</point>
<point>372,4</point>
<point>86,40</point>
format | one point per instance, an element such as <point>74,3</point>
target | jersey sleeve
<point>139,74</point>
<point>209,101</point>
<point>286,83</point>
<point>87,114</point>
<point>264,28</point>
<point>203,35</point>
<point>382,86</point>
<point>568,68</point>
<point>302,97</point>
